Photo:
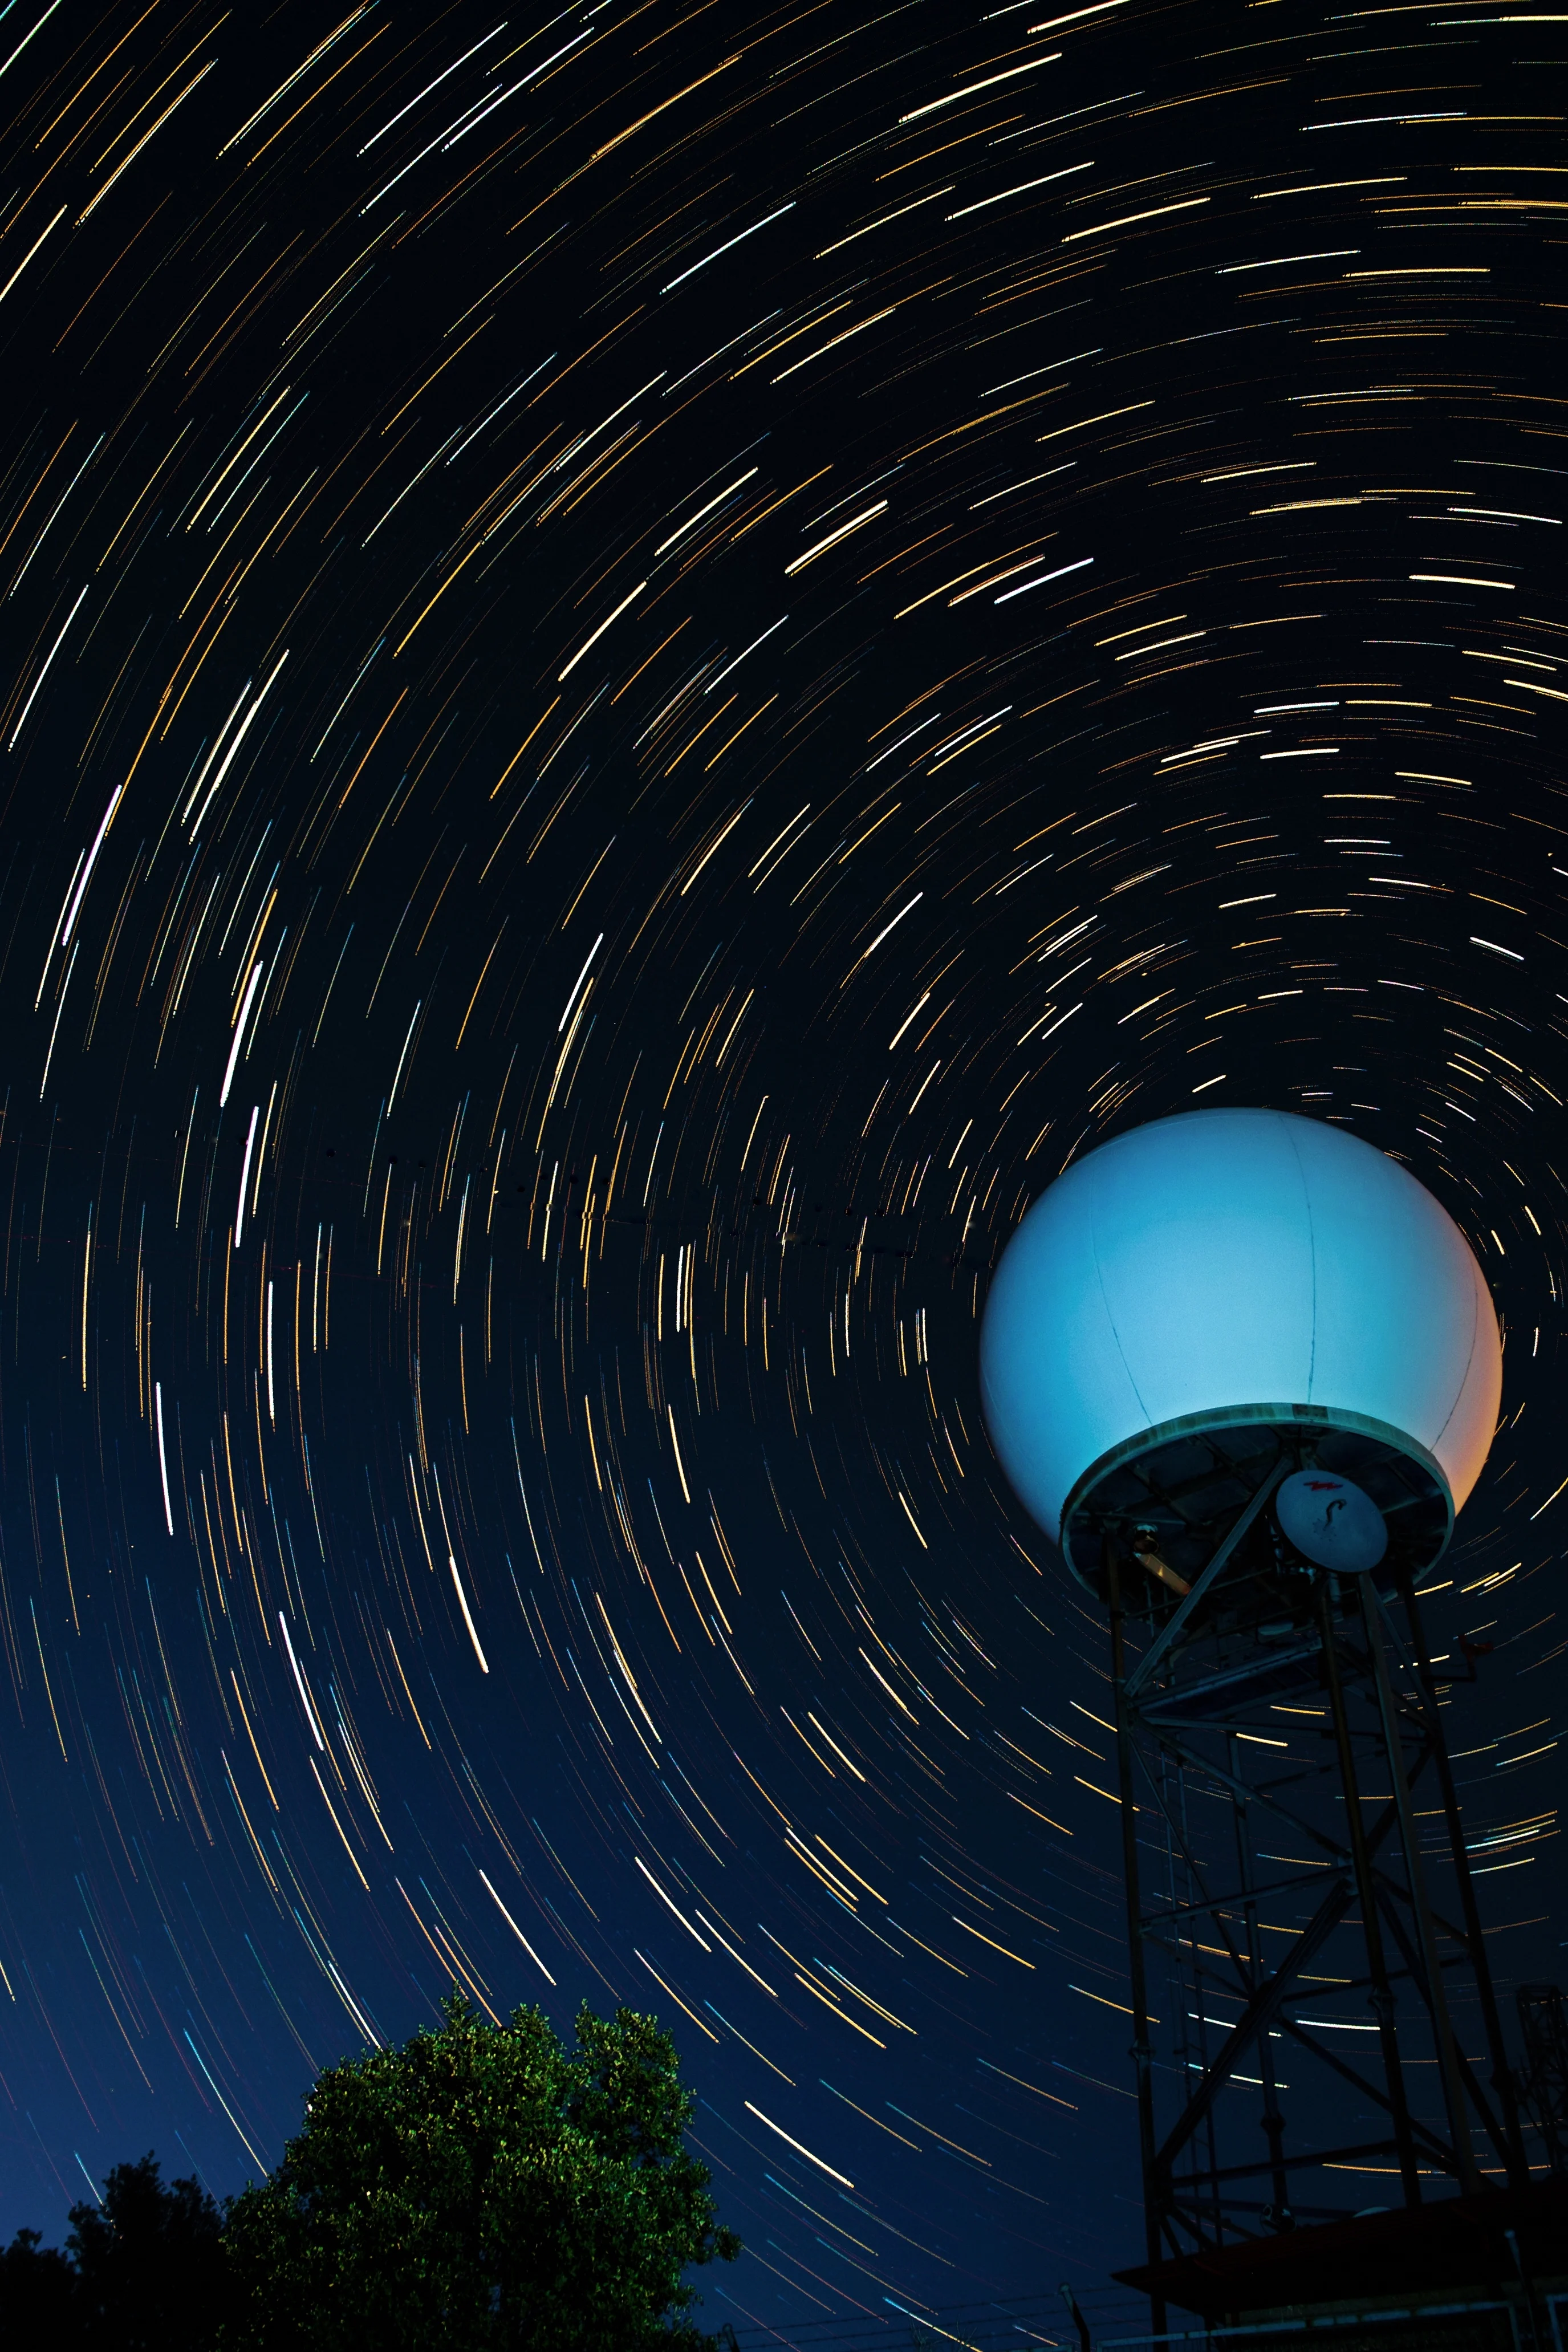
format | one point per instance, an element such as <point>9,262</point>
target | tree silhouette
<point>482,2188</point>
<point>149,2264</point>
<point>37,2296</point>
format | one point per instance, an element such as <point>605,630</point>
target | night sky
<point>653,657</point>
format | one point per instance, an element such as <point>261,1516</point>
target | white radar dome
<point>1229,1266</point>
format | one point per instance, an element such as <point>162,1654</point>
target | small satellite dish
<point>1333,1522</point>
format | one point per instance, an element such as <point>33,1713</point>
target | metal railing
<point>1093,2321</point>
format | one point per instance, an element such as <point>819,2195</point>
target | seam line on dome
<point>1477,1280</point>
<point>1311,1254</point>
<point>1104,1300</point>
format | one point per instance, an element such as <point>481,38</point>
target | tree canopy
<point>482,2187</point>
<point>149,2264</point>
<point>142,2270</point>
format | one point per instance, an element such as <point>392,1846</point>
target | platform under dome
<point>1239,1271</point>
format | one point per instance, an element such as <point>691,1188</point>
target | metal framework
<point>1543,2089</point>
<point>1301,1923</point>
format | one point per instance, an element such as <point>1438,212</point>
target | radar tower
<point>1244,1370</point>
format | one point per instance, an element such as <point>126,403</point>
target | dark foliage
<point>37,2296</point>
<point>482,2189</point>
<point>143,2273</point>
<point>149,2264</point>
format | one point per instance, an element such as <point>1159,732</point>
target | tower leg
<point>1502,2082</point>
<point>1381,2000</point>
<point>1427,1937</point>
<point>1154,2198</point>
<point>1272,2120</point>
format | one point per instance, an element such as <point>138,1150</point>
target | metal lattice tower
<point>1292,1846</point>
<point>1247,1370</point>
<point>1543,2088</point>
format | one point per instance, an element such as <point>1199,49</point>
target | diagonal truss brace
<point>1255,2019</point>
<point>1149,1664</point>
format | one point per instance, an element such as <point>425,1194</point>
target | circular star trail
<point>653,658</point>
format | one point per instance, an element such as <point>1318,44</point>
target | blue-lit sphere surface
<point>1228,1260</point>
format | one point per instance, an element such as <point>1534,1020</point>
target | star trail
<point>651,658</point>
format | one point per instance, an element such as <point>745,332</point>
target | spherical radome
<point>1235,1259</point>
